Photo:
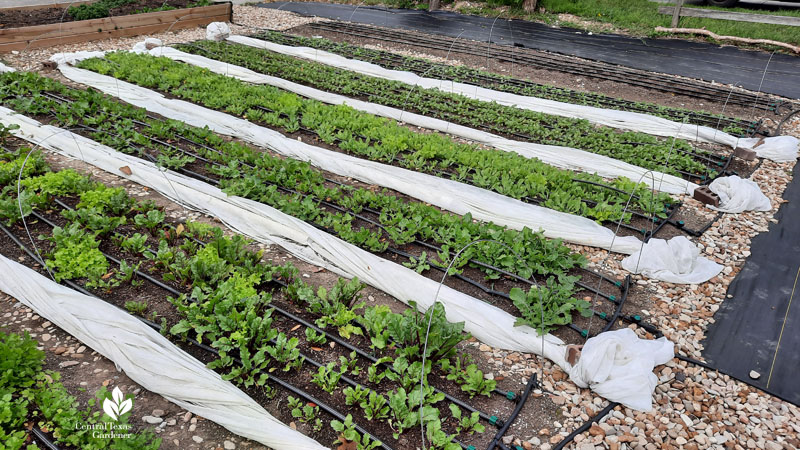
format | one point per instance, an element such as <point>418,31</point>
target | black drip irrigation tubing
<point>158,328</point>
<point>491,419</point>
<point>397,62</point>
<point>586,425</point>
<point>555,62</point>
<point>502,431</point>
<point>40,436</point>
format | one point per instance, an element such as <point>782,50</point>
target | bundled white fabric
<point>148,358</point>
<point>217,31</point>
<point>612,118</point>
<point>147,44</point>
<point>73,58</point>
<point>780,148</point>
<point>561,157</point>
<point>487,323</point>
<point>737,194</point>
<point>447,194</point>
<point>5,68</point>
<point>619,366</point>
<point>675,261</point>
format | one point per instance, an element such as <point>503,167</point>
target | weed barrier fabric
<point>447,194</point>
<point>758,328</point>
<point>148,358</point>
<point>557,156</point>
<point>778,148</point>
<point>605,361</point>
<point>723,64</point>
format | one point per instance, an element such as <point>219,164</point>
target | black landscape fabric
<point>747,327</point>
<point>699,60</point>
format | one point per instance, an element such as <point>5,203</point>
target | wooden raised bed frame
<point>39,36</point>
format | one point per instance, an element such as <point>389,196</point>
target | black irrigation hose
<point>41,437</point>
<point>784,120</point>
<point>586,425</point>
<point>394,61</point>
<point>555,62</point>
<point>618,310</point>
<point>158,328</point>
<point>491,419</point>
<point>502,431</point>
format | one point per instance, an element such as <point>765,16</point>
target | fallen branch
<point>705,32</point>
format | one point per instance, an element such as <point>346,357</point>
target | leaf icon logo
<point>117,405</point>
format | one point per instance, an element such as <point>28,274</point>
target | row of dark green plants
<point>500,82</point>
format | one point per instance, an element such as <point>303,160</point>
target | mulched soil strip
<point>433,69</point>
<point>595,285</point>
<point>14,18</point>
<point>38,226</point>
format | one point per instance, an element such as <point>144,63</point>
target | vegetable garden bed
<point>260,325</point>
<point>514,123</point>
<point>165,15</point>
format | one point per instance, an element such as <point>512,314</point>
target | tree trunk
<point>433,5</point>
<point>529,5</point>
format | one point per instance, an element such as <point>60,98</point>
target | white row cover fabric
<point>217,31</point>
<point>557,156</point>
<point>147,44</point>
<point>447,194</point>
<point>780,148</point>
<point>148,358</point>
<point>487,323</point>
<point>675,261</point>
<point>617,364</point>
<point>772,147</point>
<point>5,68</point>
<point>738,194</point>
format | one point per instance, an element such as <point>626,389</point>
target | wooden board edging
<point>39,36</point>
